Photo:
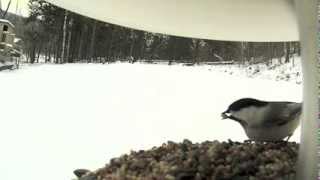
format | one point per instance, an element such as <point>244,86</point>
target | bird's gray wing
<point>283,113</point>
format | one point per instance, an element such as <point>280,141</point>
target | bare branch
<point>5,13</point>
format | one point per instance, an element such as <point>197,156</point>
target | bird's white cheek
<point>244,114</point>
<point>251,115</point>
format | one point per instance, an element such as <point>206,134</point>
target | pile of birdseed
<point>201,161</point>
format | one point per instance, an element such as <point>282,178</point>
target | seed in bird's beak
<point>224,116</point>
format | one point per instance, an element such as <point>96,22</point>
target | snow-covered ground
<point>56,118</point>
<point>290,72</point>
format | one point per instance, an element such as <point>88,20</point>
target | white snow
<point>7,22</point>
<point>275,71</point>
<point>57,118</point>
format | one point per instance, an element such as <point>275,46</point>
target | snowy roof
<point>6,21</point>
<point>6,44</point>
<point>16,40</point>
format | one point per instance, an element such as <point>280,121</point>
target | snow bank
<point>290,72</point>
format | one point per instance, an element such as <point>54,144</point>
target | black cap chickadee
<point>265,121</point>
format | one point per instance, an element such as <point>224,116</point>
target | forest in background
<point>61,36</point>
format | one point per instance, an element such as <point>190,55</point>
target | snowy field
<point>56,118</point>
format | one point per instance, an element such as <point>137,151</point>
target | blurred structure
<point>9,46</point>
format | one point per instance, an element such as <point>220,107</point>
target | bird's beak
<point>224,115</point>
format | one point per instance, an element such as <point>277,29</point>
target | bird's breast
<point>271,133</point>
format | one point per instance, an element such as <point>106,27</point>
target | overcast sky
<point>22,6</point>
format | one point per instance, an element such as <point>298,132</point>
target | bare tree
<point>83,31</point>
<point>62,60</point>
<point>287,52</point>
<point>93,39</point>
<point>4,13</point>
<point>196,49</point>
<point>69,39</point>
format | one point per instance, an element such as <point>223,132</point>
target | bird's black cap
<point>245,102</point>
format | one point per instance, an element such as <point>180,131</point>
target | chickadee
<point>265,121</point>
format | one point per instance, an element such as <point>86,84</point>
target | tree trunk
<point>287,52</point>
<point>196,51</point>
<point>254,54</point>
<point>242,56</point>
<point>110,44</point>
<point>49,53</point>
<point>270,52</point>
<point>27,57</point>
<point>133,41</point>
<point>92,42</point>
<point>45,54</point>
<point>55,55</point>
<point>82,35</point>
<point>141,42</point>
<point>296,46</point>
<point>174,48</point>
<point>143,50</point>
<point>69,40</point>
<point>39,53</point>
<point>62,59</point>
<point>33,54</point>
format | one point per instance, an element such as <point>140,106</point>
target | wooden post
<point>308,160</point>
